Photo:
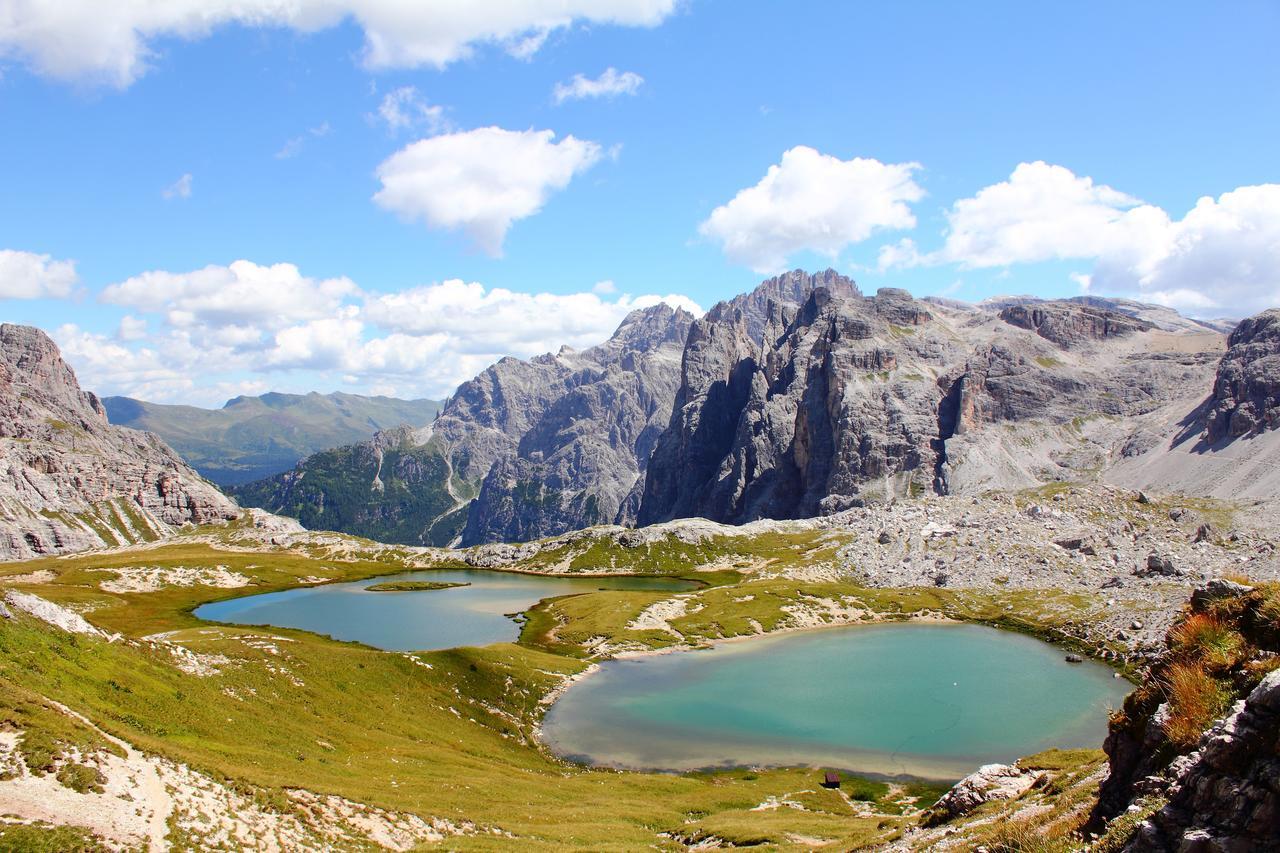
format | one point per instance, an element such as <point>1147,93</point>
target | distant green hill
<point>254,437</point>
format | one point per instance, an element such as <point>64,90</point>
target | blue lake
<point>929,700</point>
<point>419,620</point>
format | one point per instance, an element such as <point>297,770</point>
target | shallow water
<point>419,620</point>
<point>934,700</point>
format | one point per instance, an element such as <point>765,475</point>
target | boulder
<point>990,782</point>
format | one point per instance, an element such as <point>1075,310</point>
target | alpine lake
<point>931,700</point>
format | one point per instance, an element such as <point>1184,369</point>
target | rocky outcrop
<point>1217,792</point>
<point>1246,391</point>
<point>580,459</point>
<point>69,481</point>
<point>1070,325</point>
<point>1225,796</point>
<point>849,398</point>
<point>990,782</point>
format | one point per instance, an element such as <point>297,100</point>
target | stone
<point>1204,533</point>
<point>1215,590</point>
<point>884,538</point>
<point>1158,564</point>
<point>990,782</point>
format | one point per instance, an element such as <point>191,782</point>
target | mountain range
<point>254,437</point>
<point>802,397</point>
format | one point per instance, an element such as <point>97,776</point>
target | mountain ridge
<point>251,437</point>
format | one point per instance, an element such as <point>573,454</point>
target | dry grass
<point>1208,639</point>
<point>1196,699</point>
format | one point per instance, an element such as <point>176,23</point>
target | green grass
<point>456,739</point>
<point>41,838</point>
<point>412,586</point>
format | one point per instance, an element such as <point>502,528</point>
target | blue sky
<point>905,121</point>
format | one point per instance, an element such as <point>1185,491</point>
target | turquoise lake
<point>928,700</point>
<point>420,620</point>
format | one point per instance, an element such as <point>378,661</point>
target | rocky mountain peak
<point>789,289</point>
<point>70,481</point>
<point>34,376</point>
<point>1246,390</point>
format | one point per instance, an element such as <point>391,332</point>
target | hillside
<point>137,721</point>
<point>254,437</point>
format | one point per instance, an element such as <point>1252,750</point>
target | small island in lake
<point>412,586</point>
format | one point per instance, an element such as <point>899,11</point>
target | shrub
<point>81,778</point>
<point>1206,637</point>
<point>1196,699</point>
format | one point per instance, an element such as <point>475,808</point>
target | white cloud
<point>131,328</point>
<point>813,201</point>
<point>197,336</point>
<point>180,188</point>
<point>233,303</point>
<point>481,181</point>
<point>26,275</point>
<point>406,109</point>
<point>293,147</point>
<point>609,84</point>
<point>1222,258</point>
<point>504,322</point>
<point>604,287</point>
<point>1043,212</point>
<point>111,43</point>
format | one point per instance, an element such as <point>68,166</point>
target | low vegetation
<point>412,586</point>
<point>451,734</point>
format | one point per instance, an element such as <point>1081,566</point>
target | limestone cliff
<point>70,481</point>
<point>849,398</point>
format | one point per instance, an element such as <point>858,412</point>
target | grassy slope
<point>336,492</point>
<point>452,740</point>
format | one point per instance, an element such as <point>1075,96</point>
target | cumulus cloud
<point>405,109</point>
<point>235,303</point>
<point>1043,212</point>
<point>609,84</point>
<point>197,336</point>
<point>499,321</point>
<point>180,188</point>
<point>813,201</point>
<point>86,40</point>
<point>1221,258</point>
<point>26,275</point>
<point>481,181</point>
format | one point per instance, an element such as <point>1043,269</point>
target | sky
<point>206,198</point>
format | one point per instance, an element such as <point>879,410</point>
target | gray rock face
<point>69,481</point>
<point>1225,796</point>
<point>1068,325</point>
<point>581,454</point>
<point>847,398</point>
<point>1246,392</point>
